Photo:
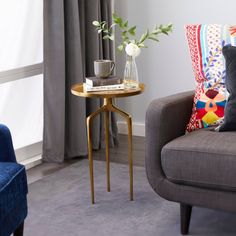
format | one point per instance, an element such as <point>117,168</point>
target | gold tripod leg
<point>90,149</point>
<point>129,123</point>
<point>107,149</point>
<point>130,155</point>
<point>108,106</point>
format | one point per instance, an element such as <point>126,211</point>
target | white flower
<point>132,50</point>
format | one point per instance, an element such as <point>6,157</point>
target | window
<point>21,80</point>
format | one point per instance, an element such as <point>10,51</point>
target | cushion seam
<point>195,181</point>
<point>184,150</point>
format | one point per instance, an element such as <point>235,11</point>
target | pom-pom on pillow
<point>229,123</point>
<point>205,44</point>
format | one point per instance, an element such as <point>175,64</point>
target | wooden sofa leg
<point>185,215</point>
<point>20,230</point>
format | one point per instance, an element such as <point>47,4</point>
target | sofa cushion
<point>202,158</point>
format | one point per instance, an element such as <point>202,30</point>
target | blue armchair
<point>13,188</point>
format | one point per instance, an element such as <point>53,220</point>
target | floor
<point>204,221</point>
<point>117,154</point>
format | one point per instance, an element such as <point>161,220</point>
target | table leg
<point>107,107</point>
<point>90,148</point>
<point>129,123</point>
<point>107,149</point>
<point>90,157</point>
<point>130,155</point>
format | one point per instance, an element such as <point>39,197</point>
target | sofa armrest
<point>166,119</point>
<point>7,153</point>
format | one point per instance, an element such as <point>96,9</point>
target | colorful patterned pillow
<point>205,43</point>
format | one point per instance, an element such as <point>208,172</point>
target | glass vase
<point>131,73</point>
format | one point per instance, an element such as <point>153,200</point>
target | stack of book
<point>102,84</point>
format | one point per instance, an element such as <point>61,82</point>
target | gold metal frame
<point>108,107</point>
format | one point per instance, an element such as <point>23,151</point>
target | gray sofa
<point>194,169</point>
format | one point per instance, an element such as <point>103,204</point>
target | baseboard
<point>138,128</point>
<point>29,151</point>
<point>32,162</point>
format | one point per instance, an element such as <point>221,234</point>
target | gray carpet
<point>59,205</point>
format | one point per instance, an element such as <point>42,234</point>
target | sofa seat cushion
<point>202,158</point>
<point>13,188</point>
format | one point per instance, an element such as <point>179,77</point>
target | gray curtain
<point>71,44</point>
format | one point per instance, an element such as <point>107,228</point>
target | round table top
<point>78,90</point>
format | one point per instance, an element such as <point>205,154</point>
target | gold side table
<point>107,107</point>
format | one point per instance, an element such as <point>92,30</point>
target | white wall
<point>165,68</point>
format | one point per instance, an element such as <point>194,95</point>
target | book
<point>88,88</point>
<point>96,81</point>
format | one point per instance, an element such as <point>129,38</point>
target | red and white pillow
<point>205,44</point>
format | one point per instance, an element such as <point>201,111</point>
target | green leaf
<point>123,34</point>
<point>96,23</point>
<point>113,25</point>
<point>132,30</point>
<point>112,37</point>
<point>103,25</point>
<point>125,39</point>
<point>141,45</point>
<point>127,32</point>
<point>156,31</point>
<point>120,47</point>
<point>144,37</point>
<point>170,26</point>
<point>125,24</point>
<point>153,38</point>
<point>117,20</point>
<point>106,37</point>
<point>165,32</point>
<point>114,16</point>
